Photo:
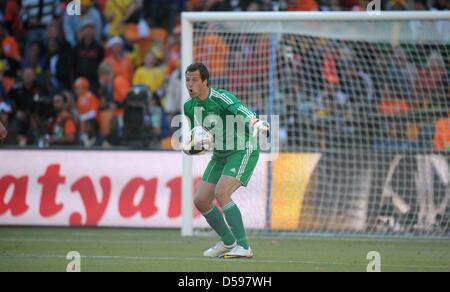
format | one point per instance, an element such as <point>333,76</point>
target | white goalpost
<point>363,102</point>
<point>187,177</point>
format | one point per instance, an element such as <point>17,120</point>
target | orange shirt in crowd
<point>329,72</point>
<point>212,51</point>
<point>393,106</point>
<point>174,56</point>
<point>8,82</point>
<point>441,141</point>
<point>303,5</point>
<point>121,87</point>
<point>156,38</point>
<point>87,106</point>
<point>64,125</point>
<point>10,48</point>
<point>121,67</point>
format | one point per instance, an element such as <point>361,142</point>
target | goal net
<point>364,118</point>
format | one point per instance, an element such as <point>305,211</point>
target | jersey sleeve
<point>233,105</point>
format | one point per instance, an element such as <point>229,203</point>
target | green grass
<point>45,249</point>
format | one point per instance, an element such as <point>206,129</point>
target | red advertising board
<point>105,188</point>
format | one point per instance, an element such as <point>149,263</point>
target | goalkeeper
<point>228,169</point>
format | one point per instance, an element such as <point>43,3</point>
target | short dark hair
<point>204,73</point>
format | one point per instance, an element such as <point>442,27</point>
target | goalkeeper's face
<point>195,85</point>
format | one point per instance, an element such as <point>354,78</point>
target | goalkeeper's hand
<point>200,140</point>
<point>259,126</point>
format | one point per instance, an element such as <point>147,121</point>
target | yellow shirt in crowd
<point>115,10</point>
<point>152,78</point>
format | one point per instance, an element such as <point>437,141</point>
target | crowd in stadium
<point>65,80</point>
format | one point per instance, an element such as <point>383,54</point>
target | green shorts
<point>239,164</point>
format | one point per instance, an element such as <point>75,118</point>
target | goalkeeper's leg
<point>204,203</point>
<point>223,192</point>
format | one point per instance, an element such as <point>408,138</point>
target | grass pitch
<point>45,249</point>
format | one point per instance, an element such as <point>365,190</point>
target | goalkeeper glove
<point>260,126</point>
<point>200,140</point>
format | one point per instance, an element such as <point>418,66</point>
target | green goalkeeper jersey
<point>225,116</point>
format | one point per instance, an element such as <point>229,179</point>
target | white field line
<point>199,259</point>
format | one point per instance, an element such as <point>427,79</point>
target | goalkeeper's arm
<point>233,105</point>
<point>258,126</point>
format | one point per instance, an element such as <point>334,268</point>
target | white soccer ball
<point>200,141</point>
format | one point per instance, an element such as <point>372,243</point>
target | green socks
<point>217,222</point>
<point>234,220</point>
